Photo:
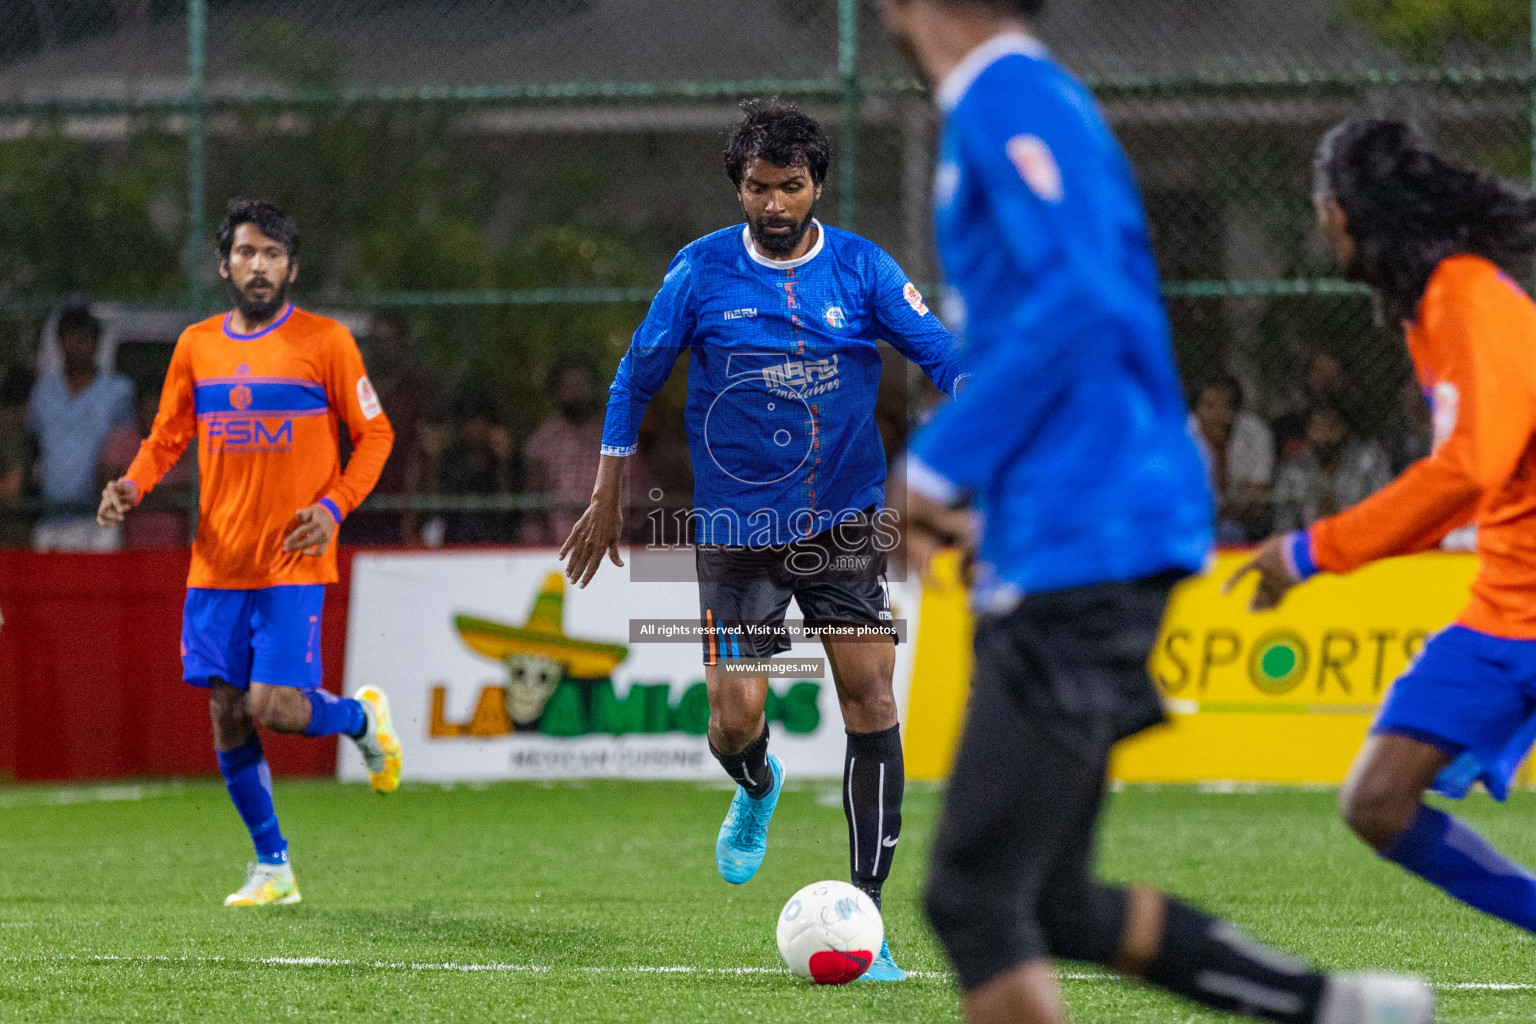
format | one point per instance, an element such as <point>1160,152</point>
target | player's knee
<point>278,708</point>
<point>870,706</point>
<point>956,900</point>
<point>979,926</point>
<point>1378,811</point>
<point>227,706</point>
<point>261,704</point>
<point>945,905</point>
<point>1085,922</point>
<point>733,728</point>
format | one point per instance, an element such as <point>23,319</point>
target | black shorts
<point>1057,682</point>
<point>837,577</point>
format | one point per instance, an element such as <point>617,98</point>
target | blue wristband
<point>1298,555</point>
<point>330,506</point>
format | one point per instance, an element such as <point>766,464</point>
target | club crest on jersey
<point>240,397</point>
<point>914,299</point>
<point>1036,164</point>
<point>835,318</point>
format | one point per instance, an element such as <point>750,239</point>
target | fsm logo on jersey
<point>253,434</point>
<point>835,317</point>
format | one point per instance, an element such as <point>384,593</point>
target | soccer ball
<point>830,932</point>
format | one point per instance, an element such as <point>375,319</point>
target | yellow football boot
<point>265,885</point>
<point>379,746</point>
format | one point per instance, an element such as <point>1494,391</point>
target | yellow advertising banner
<point>1280,697</point>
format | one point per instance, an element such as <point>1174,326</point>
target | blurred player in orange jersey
<point>263,389</point>
<point>1433,239</point>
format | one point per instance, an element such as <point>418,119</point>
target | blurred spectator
<point>470,453</point>
<point>407,393</point>
<point>562,457</point>
<point>15,457</point>
<point>1411,436</point>
<point>162,521</point>
<point>1334,471</point>
<point>563,453</point>
<point>1322,383</point>
<point>1239,455</point>
<point>72,413</point>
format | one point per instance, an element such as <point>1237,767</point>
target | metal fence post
<point>848,73</point>
<point>197,186</point>
<point>197,129</point>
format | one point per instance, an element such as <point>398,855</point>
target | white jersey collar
<point>1005,44</point>
<point>757,257</point>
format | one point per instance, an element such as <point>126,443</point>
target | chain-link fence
<point>490,189</point>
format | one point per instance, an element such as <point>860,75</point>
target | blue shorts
<point>1473,696</point>
<point>269,636</point>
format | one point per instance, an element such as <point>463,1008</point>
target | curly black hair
<point>266,215</point>
<point>1408,209</point>
<point>779,133</point>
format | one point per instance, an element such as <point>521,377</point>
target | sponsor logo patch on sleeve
<point>1445,408</point>
<point>1037,165</point>
<point>367,398</point>
<point>914,299</point>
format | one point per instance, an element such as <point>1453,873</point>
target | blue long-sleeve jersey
<point>782,379</point>
<point>1071,435</point>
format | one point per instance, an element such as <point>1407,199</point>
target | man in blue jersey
<point>781,319</point>
<point>1071,445</point>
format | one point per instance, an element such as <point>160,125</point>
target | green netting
<point>507,178</point>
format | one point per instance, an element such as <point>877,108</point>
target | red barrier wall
<point>90,671</point>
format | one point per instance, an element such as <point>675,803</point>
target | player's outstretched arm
<point>598,530</point>
<point>1275,572</point>
<point>912,329</point>
<point>117,499</point>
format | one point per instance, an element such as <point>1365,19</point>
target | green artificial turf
<point>600,902</point>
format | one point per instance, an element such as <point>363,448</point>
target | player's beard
<point>259,310</point>
<point>780,246</point>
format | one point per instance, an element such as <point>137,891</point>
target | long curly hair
<point>1408,209</point>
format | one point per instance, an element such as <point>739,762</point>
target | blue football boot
<point>884,968</point>
<point>743,841</point>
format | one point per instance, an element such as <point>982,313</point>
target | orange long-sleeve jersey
<point>265,409</point>
<point>1474,349</point>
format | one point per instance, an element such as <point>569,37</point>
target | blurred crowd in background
<point>462,474</point>
<point>69,428</point>
<point>1316,457</point>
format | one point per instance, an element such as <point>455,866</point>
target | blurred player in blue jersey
<point>781,318</point>
<point>1071,446</point>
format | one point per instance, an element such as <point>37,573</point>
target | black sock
<point>750,767</point>
<point>1212,962</point>
<point>874,777</point>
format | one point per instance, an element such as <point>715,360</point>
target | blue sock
<point>1446,853</point>
<point>330,714</point>
<point>249,782</point>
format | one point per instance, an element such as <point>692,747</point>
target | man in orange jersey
<point>1430,239</point>
<point>263,388</point>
